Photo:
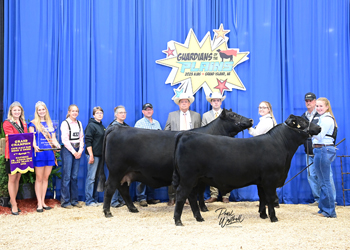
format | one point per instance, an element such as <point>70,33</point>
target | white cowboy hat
<point>215,95</point>
<point>184,96</point>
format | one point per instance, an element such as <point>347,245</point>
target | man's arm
<point>168,123</point>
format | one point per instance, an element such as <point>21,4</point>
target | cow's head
<point>302,126</point>
<point>234,121</point>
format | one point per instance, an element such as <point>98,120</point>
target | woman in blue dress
<point>43,161</point>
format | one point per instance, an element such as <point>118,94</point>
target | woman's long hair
<point>271,112</point>
<point>37,119</point>
<point>70,108</point>
<point>9,114</point>
<point>328,104</point>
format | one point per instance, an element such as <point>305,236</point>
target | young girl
<point>14,124</point>
<point>44,138</point>
<point>73,140</point>
<point>324,151</point>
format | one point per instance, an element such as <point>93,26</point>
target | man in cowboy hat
<point>215,100</point>
<point>182,119</point>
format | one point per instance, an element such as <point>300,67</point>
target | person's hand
<point>77,155</point>
<point>36,148</point>
<point>91,159</point>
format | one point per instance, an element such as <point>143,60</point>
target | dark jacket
<point>308,142</point>
<point>114,122</point>
<point>94,133</point>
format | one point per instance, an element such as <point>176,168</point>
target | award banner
<point>21,152</point>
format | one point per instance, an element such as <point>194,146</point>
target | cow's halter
<point>305,130</point>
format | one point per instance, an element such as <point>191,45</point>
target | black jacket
<point>94,133</point>
<point>308,142</point>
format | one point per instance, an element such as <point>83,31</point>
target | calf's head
<point>303,126</point>
<point>235,121</point>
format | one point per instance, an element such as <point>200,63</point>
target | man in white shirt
<point>215,100</point>
<point>182,119</point>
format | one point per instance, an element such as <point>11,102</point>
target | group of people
<point>320,149</point>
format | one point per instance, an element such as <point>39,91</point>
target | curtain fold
<point>102,53</point>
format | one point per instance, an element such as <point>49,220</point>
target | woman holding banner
<point>14,124</point>
<point>72,135</point>
<point>44,158</point>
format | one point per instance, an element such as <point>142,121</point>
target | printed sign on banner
<point>209,64</point>
<point>21,153</point>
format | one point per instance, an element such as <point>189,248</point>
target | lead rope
<point>307,166</point>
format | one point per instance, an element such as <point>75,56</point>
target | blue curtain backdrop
<point>103,53</point>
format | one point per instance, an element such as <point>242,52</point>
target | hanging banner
<point>208,64</point>
<point>21,153</point>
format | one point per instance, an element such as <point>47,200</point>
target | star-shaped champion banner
<point>200,64</point>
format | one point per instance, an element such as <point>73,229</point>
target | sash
<point>16,126</point>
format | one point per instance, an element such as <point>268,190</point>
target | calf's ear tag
<point>298,126</point>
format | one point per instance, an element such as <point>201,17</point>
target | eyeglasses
<point>99,113</point>
<point>263,107</point>
<point>122,113</point>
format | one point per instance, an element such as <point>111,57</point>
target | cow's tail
<point>176,175</point>
<point>100,168</point>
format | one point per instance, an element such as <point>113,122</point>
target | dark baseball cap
<point>310,96</point>
<point>147,105</point>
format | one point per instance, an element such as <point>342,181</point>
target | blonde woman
<point>14,124</point>
<point>43,161</point>
<point>72,135</point>
<point>267,120</point>
<point>324,151</point>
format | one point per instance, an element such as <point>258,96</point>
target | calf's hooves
<point>108,214</point>
<point>274,219</point>
<point>178,223</point>
<point>263,216</point>
<point>200,219</point>
<point>204,209</point>
<point>133,210</point>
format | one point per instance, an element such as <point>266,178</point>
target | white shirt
<point>264,125</point>
<point>188,120</point>
<point>326,123</point>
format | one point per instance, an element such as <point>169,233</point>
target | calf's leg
<point>270,197</point>
<point>124,191</point>
<point>181,194</point>
<point>262,203</point>
<point>200,192</point>
<point>109,191</point>
<point>194,206</point>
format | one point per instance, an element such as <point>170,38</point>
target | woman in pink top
<point>72,135</point>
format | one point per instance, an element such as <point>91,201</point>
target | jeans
<point>313,181</point>
<point>141,192</point>
<point>91,195</point>
<point>117,200</point>
<point>70,168</point>
<point>323,160</point>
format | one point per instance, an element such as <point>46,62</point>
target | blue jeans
<point>117,200</point>
<point>141,192</point>
<point>313,182</point>
<point>91,196</point>
<point>70,168</point>
<point>322,161</point>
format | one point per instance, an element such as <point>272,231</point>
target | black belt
<point>322,145</point>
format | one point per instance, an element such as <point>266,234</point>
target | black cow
<point>234,163</point>
<point>227,54</point>
<point>134,154</point>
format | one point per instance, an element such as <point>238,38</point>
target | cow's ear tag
<point>294,123</point>
<point>298,126</point>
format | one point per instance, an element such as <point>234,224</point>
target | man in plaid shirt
<point>146,122</point>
